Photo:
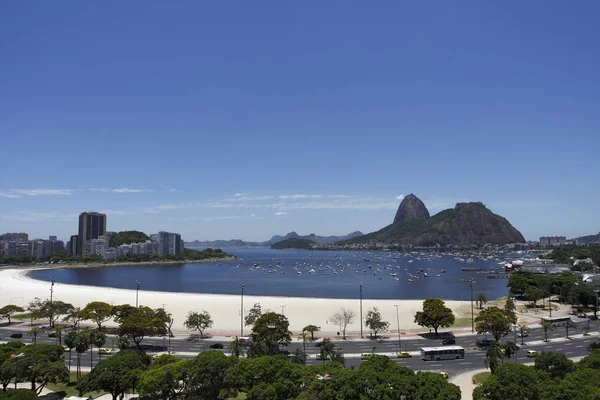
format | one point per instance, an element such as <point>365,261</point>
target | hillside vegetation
<point>127,237</point>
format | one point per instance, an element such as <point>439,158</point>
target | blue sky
<point>248,119</point>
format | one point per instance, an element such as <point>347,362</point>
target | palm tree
<point>34,332</point>
<point>523,330</point>
<point>570,325</point>
<point>70,340</point>
<point>256,349</point>
<point>81,346</point>
<point>237,347</point>
<point>304,337</point>
<point>97,338</point>
<point>298,357</point>
<point>493,356</point>
<point>329,351</point>
<point>59,330</point>
<point>481,299</point>
<point>546,326</point>
<point>510,349</point>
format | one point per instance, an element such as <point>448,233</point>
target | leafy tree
<point>198,321</point>
<point>375,323</point>
<point>512,381</point>
<point>581,384</point>
<point>591,361</point>
<point>73,317</point>
<point>82,344</point>
<point>555,364</point>
<point>116,374</point>
<point>298,357</point>
<point>312,329</point>
<point>254,314</point>
<point>167,319</point>
<point>237,347</point>
<point>494,321</point>
<point>546,326</point>
<point>137,323</point>
<point>342,318</point>
<point>98,339</point>
<point>42,364</point>
<point>493,356</point>
<point>9,365</point>
<point>35,309</point>
<point>435,314</point>
<point>533,295</point>
<point>163,381</point>
<point>593,346</point>
<point>481,299</point>
<point>53,310</point>
<point>96,311</point>
<point>19,394</point>
<point>330,352</point>
<point>204,376</point>
<point>271,328</point>
<point>7,311</point>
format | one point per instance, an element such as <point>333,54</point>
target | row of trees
<point>535,287</point>
<point>553,377</point>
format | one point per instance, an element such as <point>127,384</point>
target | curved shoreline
<point>17,287</point>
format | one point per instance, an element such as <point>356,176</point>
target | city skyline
<point>223,121</point>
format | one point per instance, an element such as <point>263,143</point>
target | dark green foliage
<point>294,243</point>
<point>566,254</point>
<point>435,314</point>
<point>204,376</point>
<point>127,237</point>
<point>555,364</point>
<point>19,394</point>
<point>514,382</point>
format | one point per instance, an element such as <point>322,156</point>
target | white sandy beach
<point>17,288</point>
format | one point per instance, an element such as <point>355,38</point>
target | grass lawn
<point>69,388</point>
<point>480,377</point>
<point>462,322</point>
<point>22,316</point>
<point>241,396</point>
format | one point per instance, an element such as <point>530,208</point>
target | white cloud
<point>400,197</point>
<point>128,190</point>
<point>239,194</point>
<point>9,195</point>
<point>42,192</point>
<point>280,213</point>
<point>26,216</point>
<point>173,190</point>
<point>102,190</point>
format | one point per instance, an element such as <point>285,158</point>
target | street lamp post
<point>398,323</point>
<point>282,307</point>
<point>471,281</point>
<point>137,292</point>
<point>361,314</point>
<point>51,289</point>
<point>16,356</point>
<point>242,315</point>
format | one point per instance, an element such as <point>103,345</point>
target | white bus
<point>556,321</point>
<point>442,353</point>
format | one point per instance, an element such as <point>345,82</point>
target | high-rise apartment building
<point>91,226</point>
<point>169,243</point>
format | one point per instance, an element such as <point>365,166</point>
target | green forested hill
<point>126,237</point>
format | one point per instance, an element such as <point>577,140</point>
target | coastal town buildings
<point>553,240</point>
<point>18,244</point>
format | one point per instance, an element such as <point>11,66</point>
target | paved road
<point>474,359</point>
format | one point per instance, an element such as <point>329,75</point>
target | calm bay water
<point>296,273</point>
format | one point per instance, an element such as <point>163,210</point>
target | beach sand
<point>18,288</point>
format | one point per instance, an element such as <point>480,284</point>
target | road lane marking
<point>569,352</point>
<point>578,346</point>
<point>466,363</point>
<point>569,344</point>
<point>561,349</point>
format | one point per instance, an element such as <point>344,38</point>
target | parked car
<point>216,346</point>
<point>52,335</point>
<point>321,357</point>
<point>319,344</point>
<point>16,335</point>
<point>404,354</point>
<point>449,341</point>
<point>582,315</point>
<point>532,353</point>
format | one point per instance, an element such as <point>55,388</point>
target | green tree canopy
<point>512,381</point>
<point>494,321</point>
<point>163,380</point>
<point>375,323</point>
<point>96,311</point>
<point>8,310</point>
<point>435,314</point>
<point>198,321</point>
<point>312,329</point>
<point>138,323</point>
<point>555,364</point>
<point>271,328</point>
<point>204,376</point>
<point>254,313</point>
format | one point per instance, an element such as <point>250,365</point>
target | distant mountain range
<point>587,239</point>
<point>277,238</point>
<point>467,224</point>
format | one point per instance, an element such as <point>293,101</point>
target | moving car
<point>365,356</point>
<point>524,334</point>
<point>104,350</point>
<point>216,346</point>
<point>532,353</point>
<point>404,354</point>
<point>484,342</point>
<point>321,357</point>
<point>16,335</point>
<point>449,341</point>
<point>323,342</point>
<point>52,335</point>
<point>444,374</point>
<point>66,349</point>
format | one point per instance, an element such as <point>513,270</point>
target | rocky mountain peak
<point>411,208</point>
